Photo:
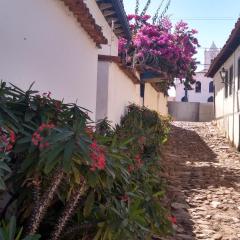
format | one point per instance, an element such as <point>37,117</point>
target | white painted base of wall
<point>231,128</point>
<point>115,92</point>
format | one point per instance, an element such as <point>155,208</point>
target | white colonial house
<point>225,70</point>
<point>203,89</point>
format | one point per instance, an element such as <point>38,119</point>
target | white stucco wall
<point>112,47</point>
<point>154,100</point>
<point>194,96</point>
<point>121,91</point>
<point>162,104</point>
<point>41,41</point>
<point>201,97</point>
<point>227,109</point>
<point>150,97</point>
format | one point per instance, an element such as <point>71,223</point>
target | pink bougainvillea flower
<point>194,31</point>
<point>131,16</point>
<point>146,17</point>
<point>122,44</point>
<point>173,46</point>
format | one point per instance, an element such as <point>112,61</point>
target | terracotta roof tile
<point>230,46</point>
<point>87,21</point>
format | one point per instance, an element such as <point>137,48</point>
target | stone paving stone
<point>203,175</point>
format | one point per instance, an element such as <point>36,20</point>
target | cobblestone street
<point>203,171</point>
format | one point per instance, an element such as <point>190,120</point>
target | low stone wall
<point>191,111</point>
<point>206,112</point>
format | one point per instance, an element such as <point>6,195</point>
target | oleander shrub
<point>67,178</point>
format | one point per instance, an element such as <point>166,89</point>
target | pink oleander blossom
<point>39,135</point>
<point>97,155</point>
<point>7,140</point>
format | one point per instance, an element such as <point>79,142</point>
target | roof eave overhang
<point>153,77</point>
<point>86,20</point>
<point>113,10</point>
<point>122,18</point>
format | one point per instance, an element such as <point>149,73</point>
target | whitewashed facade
<point>227,92</point>
<point>57,44</point>
<point>42,41</point>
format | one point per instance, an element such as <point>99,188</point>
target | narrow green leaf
<point>4,166</point>
<point>34,237</point>
<point>68,151</point>
<point>50,165</point>
<point>88,204</point>
<point>29,115</point>
<point>19,234</point>
<point>2,234</point>
<point>2,184</point>
<point>12,228</point>
<point>77,175</point>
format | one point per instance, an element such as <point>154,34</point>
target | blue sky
<point>216,18</point>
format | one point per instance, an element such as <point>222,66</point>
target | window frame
<point>199,86</point>
<point>211,87</point>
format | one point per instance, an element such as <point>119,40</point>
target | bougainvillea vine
<point>165,47</point>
